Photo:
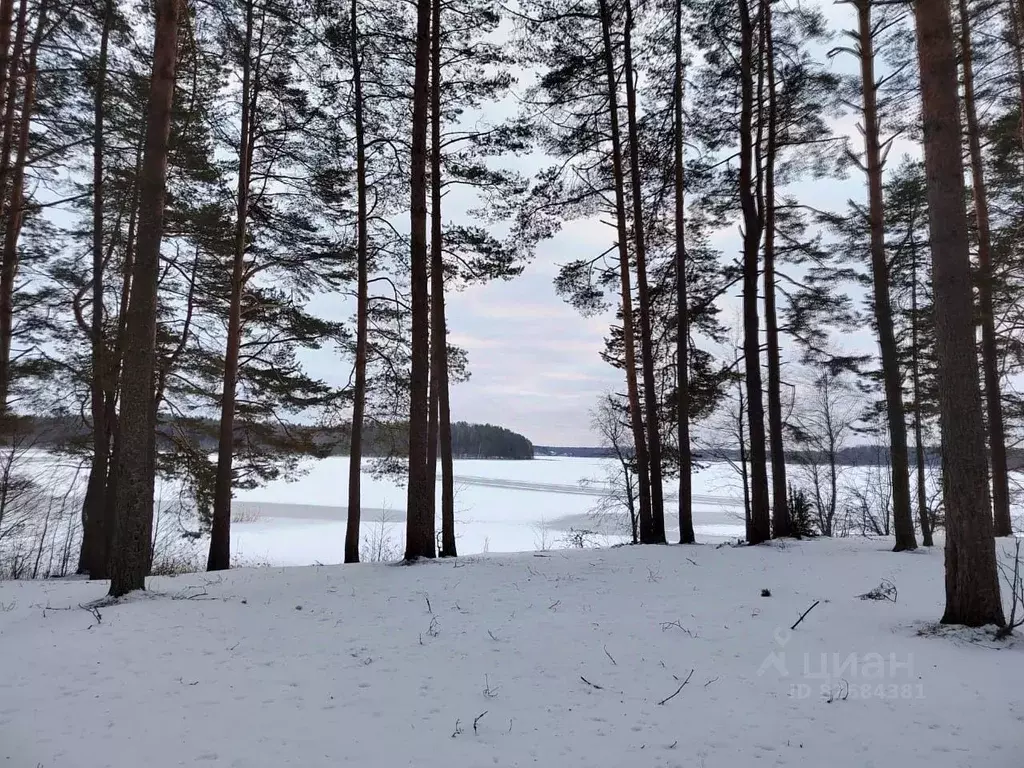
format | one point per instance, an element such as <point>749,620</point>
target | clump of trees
<point>185,187</point>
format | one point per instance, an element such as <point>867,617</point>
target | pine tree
<point>972,580</point>
<point>130,552</point>
<point>873,165</point>
<point>420,522</point>
<point>989,350</point>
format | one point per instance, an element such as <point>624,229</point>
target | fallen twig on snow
<point>797,623</point>
<point>477,719</point>
<point>592,685</point>
<point>95,613</point>
<point>489,692</point>
<point>610,656</point>
<point>683,685</point>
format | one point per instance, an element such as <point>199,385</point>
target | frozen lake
<point>500,506</point>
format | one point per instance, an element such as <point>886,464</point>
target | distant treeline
<point>854,456</point>
<point>469,441</point>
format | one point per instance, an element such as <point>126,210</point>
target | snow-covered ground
<point>565,658</point>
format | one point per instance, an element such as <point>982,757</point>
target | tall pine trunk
<point>6,25</point>
<point>220,532</point>
<point>628,338</point>
<point>1017,44</point>
<point>438,324</point>
<point>15,204</point>
<point>94,527</point>
<point>355,453</point>
<point>643,293</point>
<point>989,351</point>
<point>972,580</point>
<point>131,552</point>
<point>893,381</point>
<point>419,517</point>
<point>686,535</point>
<point>780,504</point>
<point>753,224</point>
<point>919,449</point>
<point>15,73</point>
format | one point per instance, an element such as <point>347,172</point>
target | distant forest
<point>854,456</point>
<point>469,441</point>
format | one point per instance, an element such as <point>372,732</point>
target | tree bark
<point>131,554</point>
<point>419,520</point>
<point>94,505</point>
<point>780,505</point>
<point>989,351</point>
<point>972,580</point>
<point>220,532</point>
<point>438,324</point>
<point>643,293</point>
<point>355,453</point>
<point>760,516</point>
<point>11,107</point>
<point>15,204</point>
<point>881,303</point>
<point>6,24</point>
<point>686,535</point>
<point>628,339</point>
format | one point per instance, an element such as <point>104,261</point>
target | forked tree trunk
<point>646,333</point>
<point>355,453</point>
<point>889,352</point>
<point>131,553</point>
<point>989,351</point>
<point>102,547</point>
<point>419,519</point>
<point>686,535</point>
<point>440,404</point>
<point>753,224</point>
<point>220,532</point>
<point>780,505</point>
<point>94,504</point>
<point>628,339</point>
<point>972,580</point>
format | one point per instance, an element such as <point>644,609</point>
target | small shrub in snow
<point>378,545</point>
<point>884,591</point>
<point>245,514</point>
<point>579,538</point>
<point>801,514</point>
<point>1015,582</point>
<point>766,593</point>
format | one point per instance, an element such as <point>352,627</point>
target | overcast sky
<point>535,361</point>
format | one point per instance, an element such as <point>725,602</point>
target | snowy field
<point>501,506</point>
<point>567,658</point>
